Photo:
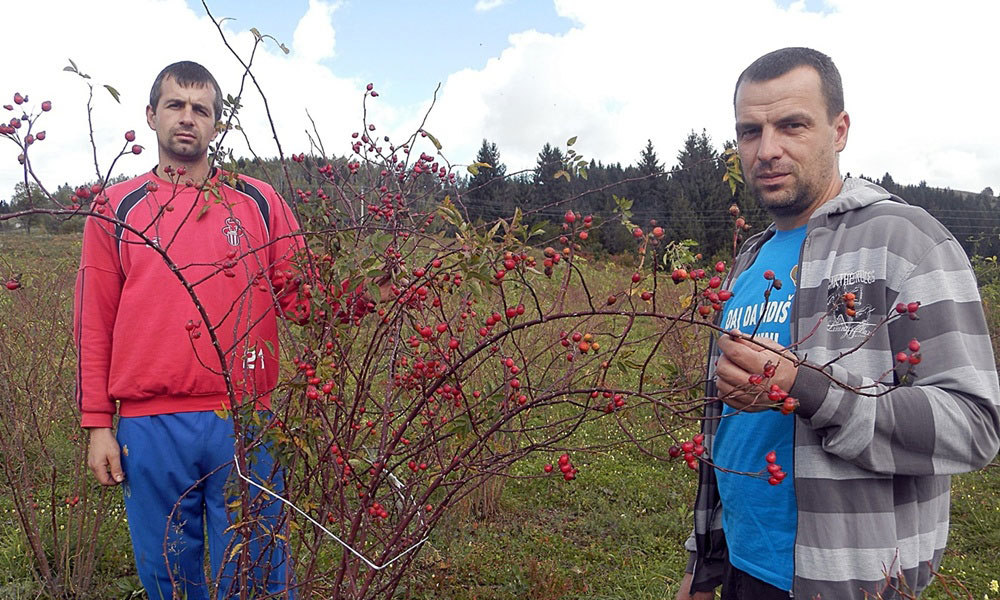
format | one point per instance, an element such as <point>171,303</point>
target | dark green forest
<point>688,199</point>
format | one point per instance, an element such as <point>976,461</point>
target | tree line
<point>689,200</point>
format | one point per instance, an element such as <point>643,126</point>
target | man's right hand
<point>104,456</point>
<point>685,592</point>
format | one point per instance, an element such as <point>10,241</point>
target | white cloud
<point>916,89</point>
<point>314,38</point>
<point>487,5</point>
<point>920,98</point>
<point>130,62</point>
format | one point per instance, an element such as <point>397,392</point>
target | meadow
<point>614,532</point>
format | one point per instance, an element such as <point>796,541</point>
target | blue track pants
<point>178,481</point>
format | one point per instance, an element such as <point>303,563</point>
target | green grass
<point>616,532</point>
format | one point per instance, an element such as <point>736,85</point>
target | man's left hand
<point>741,358</point>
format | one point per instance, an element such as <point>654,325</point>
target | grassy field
<point>616,532</point>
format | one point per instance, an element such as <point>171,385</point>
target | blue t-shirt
<point>760,519</point>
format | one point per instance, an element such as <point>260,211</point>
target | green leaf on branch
<point>561,173</point>
<point>460,425</point>
<point>433,139</point>
<point>474,167</point>
<point>256,34</point>
<point>114,93</point>
<point>571,141</point>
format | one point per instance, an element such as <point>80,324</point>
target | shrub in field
<point>65,521</point>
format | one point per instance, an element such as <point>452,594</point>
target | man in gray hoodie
<point>869,332</point>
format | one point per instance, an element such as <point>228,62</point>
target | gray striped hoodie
<point>874,450</point>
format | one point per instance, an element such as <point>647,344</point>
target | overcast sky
<point>920,77</point>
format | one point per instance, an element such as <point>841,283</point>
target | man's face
<point>184,121</point>
<point>788,145</point>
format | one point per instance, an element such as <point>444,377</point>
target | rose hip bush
<point>437,354</point>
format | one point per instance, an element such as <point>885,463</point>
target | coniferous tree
<point>488,196</point>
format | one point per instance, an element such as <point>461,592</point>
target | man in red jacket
<point>182,276</point>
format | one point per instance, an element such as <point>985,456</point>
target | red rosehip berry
<point>901,308</point>
<point>46,106</point>
<point>912,307</point>
<point>136,149</point>
<point>636,278</point>
<point>720,267</point>
<point>658,232</point>
<point>914,345</point>
<point>771,456</point>
<point>569,217</point>
<point>769,274</point>
<point>130,136</point>
<point>637,232</point>
<point>547,468</point>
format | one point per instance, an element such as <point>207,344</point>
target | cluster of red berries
<point>570,218</point>
<point>565,467</point>
<point>910,310</point>
<point>552,258</point>
<point>378,511</point>
<point>775,474</point>
<point>740,223</point>
<point>193,328</point>
<point>775,394</point>
<point>914,358</point>
<point>305,195</point>
<point>175,174</point>
<point>11,127</point>
<point>427,164</point>
<point>691,450</point>
<point>72,500</point>
<point>13,283</point>
<point>585,342</point>
<point>299,158</point>
<point>514,383</point>
<point>136,148</point>
<point>615,401</point>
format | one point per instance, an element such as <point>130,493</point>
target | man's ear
<point>150,117</point>
<point>841,125</point>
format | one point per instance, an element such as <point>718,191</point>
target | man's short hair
<point>775,64</point>
<point>186,73</point>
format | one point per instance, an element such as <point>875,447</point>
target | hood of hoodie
<point>856,193</point>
